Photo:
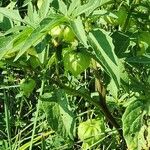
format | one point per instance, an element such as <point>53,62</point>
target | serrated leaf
<point>74,4</point>
<point>84,8</point>
<point>88,7</point>
<point>104,54</point>
<point>43,11</point>
<point>59,115</point>
<point>62,7</point>
<point>26,2</point>
<point>11,14</point>
<point>14,42</point>
<point>45,26</point>
<point>78,29</point>
<point>136,123</point>
<point>15,29</point>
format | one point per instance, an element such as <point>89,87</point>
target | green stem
<point>7,116</point>
<point>36,115</point>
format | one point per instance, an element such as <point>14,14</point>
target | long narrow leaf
<point>62,7</point>
<point>43,11</point>
<point>73,6</point>
<point>104,52</point>
<point>11,14</point>
<point>78,29</point>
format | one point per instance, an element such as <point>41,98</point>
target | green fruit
<point>56,31</point>
<point>76,62</point>
<point>27,86</point>
<point>68,35</point>
<point>91,131</point>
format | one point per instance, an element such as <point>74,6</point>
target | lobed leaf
<point>88,8</point>
<point>62,7</point>
<point>11,14</point>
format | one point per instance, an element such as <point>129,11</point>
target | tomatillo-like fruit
<point>91,131</point>
<point>68,35</point>
<point>76,62</point>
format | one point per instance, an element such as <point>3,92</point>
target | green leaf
<point>26,2</point>
<point>15,29</point>
<point>121,42</point>
<point>59,115</point>
<point>88,7</point>
<point>36,36</point>
<point>104,54</point>
<point>43,11</point>
<point>11,14</point>
<point>78,29</point>
<point>6,44</point>
<point>5,23</point>
<point>145,36</point>
<point>136,124</point>
<point>12,44</point>
<point>74,4</point>
<point>141,59</point>
<point>62,7</point>
<point>32,16</point>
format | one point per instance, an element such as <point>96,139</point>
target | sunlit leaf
<point>78,28</point>
<point>11,14</point>
<point>136,122</point>
<point>59,114</point>
<point>45,26</point>
<point>104,51</point>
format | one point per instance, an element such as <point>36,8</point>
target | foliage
<point>74,74</point>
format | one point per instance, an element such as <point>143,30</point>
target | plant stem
<point>7,116</point>
<point>100,88</point>
<point>87,96</point>
<point>36,115</point>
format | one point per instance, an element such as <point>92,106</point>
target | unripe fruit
<point>56,32</point>
<point>76,62</point>
<point>91,131</point>
<point>68,35</point>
